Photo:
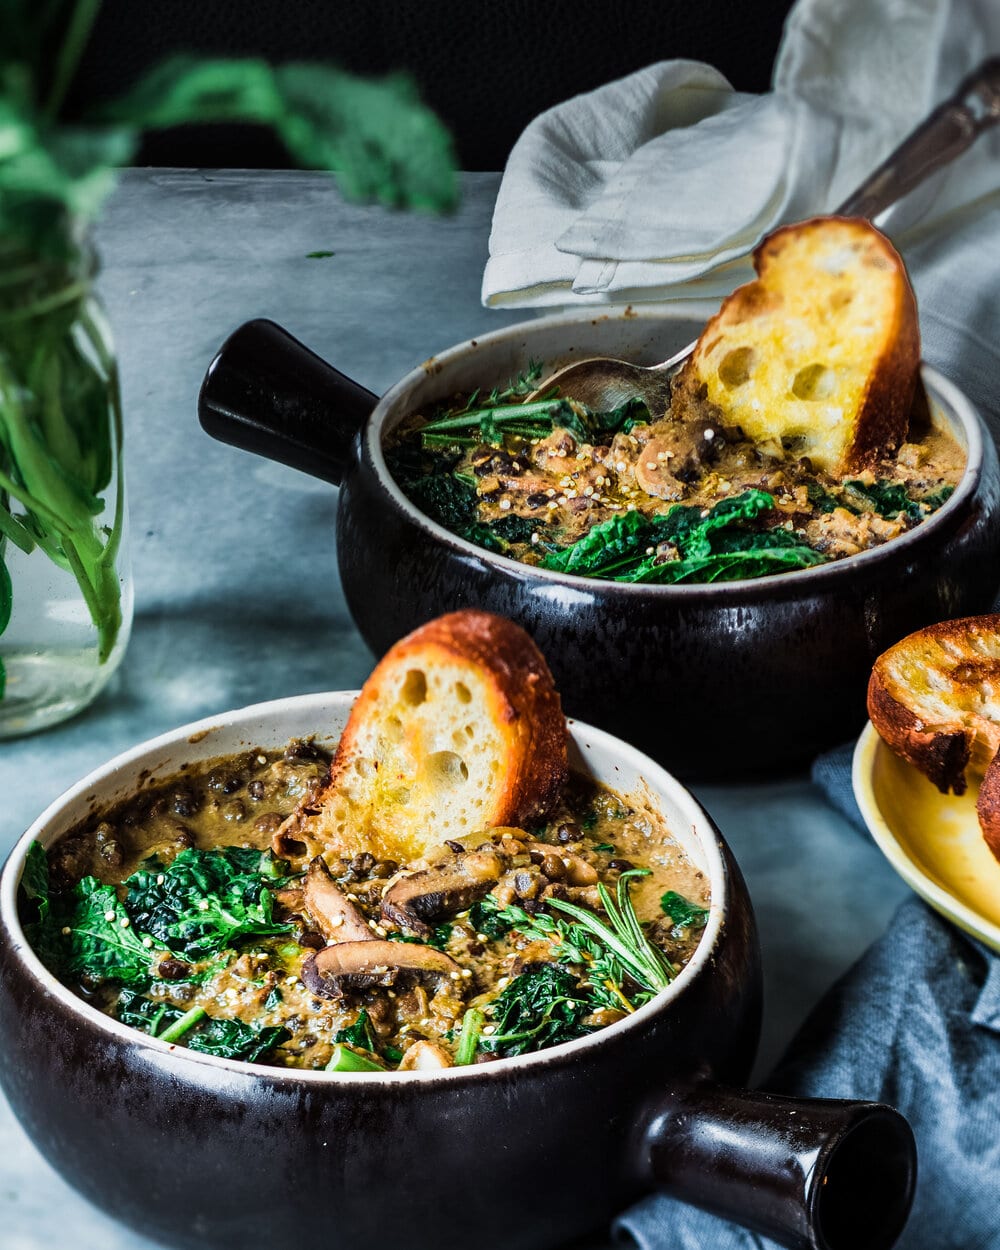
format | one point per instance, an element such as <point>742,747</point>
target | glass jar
<point>65,585</point>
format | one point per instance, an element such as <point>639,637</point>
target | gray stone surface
<point>237,594</point>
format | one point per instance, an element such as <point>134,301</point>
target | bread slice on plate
<point>821,352</point>
<point>934,698</point>
<point>458,729</point>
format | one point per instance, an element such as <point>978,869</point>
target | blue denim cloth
<point>915,1023</point>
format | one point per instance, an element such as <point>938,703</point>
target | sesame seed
<point>160,879</point>
<point>534,537</point>
<point>572,494</point>
<point>504,505</point>
<point>489,1029</point>
<point>292,980</point>
<point>391,993</point>
<point>109,916</point>
<point>552,504</point>
<point>336,922</point>
<point>66,931</point>
<point>203,905</point>
<point>124,922</point>
<point>481,937</point>
<point>621,466</point>
<point>651,465</point>
<point>562,499</point>
<point>372,924</point>
<point>704,512</point>
<point>631,507</point>
<point>551,492</point>
<point>148,943</point>
<point>661,455</point>
<point>261,759</point>
<point>455,976</point>
<point>466,973</point>
<point>650,551</point>
<point>503,982</point>
<point>588,491</point>
<point>709,435</point>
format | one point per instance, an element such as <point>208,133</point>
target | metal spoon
<point>603,383</point>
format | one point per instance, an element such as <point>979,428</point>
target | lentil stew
<point>633,496</point>
<point>172,913</point>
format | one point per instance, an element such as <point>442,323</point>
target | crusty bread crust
<point>988,806</point>
<point>940,755</point>
<point>467,696</point>
<point>934,698</point>
<point>823,348</point>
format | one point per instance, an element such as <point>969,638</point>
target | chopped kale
<point>438,936</point>
<point>358,1034</point>
<point>542,1007</point>
<point>203,902</point>
<point>606,847</point>
<point>682,912</point>
<point>485,919</point>
<point>232,1039</point>
<point>89,934</point>
<point>713,545</point>
<point>149,1015</point>
<point>514,529</point>
<point>821,499</point>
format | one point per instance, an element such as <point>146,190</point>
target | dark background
<point>486,67</point>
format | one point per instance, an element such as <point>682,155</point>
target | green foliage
<point>469,1038</point>
<point>682,912</point>
<point>203,902</point>
<point>383,142</point>
<point>58,389</point>
<point>438,936</point>
<point>612,953</point>
<point>228,1039</point>
<point>358,1034</point>
<point>716,546</point>
<point>149,1015</point>
<point>542,1007</point>
<point>890,499</point>
<point>88,934</point>
<point>487,918</point>
<point>232,1039</point>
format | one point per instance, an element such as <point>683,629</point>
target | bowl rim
<point>863,765</point>
<point>958,407</point>
<point>655,777</point>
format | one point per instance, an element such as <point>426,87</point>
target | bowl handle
<point>812,1174</point>
<point>267,393</point>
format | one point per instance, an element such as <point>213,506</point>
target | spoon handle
<point>952,128</point>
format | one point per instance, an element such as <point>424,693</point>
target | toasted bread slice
<point>458,729</point>
<point>934,698</point>
<point>821,352</point>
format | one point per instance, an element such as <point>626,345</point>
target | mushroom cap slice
<point>346,967</point>
<point>335,915</point>
<point>444,890</point>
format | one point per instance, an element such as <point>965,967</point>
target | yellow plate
<point>932,839</point>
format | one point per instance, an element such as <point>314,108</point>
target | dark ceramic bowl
<point>517,1154</point>
<point>714,680</point>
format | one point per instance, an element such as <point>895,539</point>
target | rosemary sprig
<point>609,952</point>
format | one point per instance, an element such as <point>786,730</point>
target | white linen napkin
<point>654,187</point>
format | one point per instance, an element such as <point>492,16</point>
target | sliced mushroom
<point>348,966</point>
<point>424,1056</point>
<point>335,915</point>
<point>445,890</point>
